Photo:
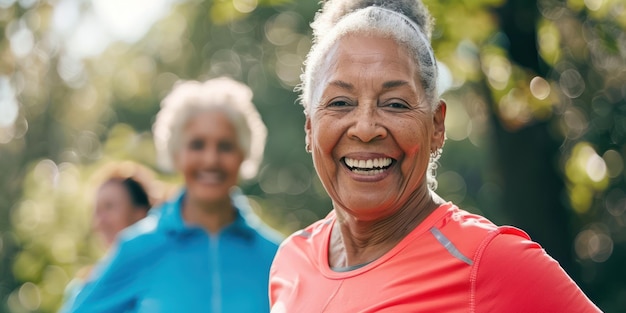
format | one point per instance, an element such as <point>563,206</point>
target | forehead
<point>366,46</point>
<point>210,123</point>
<point>374,58</point>
<point>111,189</point>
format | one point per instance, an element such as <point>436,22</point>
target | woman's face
<point>114,211</point>
<point>372,132</point>
<point>209,157</point>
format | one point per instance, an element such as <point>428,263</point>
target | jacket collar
<point>172,223</point>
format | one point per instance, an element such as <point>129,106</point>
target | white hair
<point>376,20</point>
<point>408,22</point>
<point>225,95</point>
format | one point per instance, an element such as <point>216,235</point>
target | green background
<point>536,123</point>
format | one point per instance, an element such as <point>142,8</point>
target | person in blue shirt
<point>204,250</point>
<point>125,192</point>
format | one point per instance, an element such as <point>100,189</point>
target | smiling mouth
<point>210,177</point>
<point>368,167</point>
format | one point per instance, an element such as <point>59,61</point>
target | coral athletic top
<point>454,261</point>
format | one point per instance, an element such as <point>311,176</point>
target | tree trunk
<point>527,159</point>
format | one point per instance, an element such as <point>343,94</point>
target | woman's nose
<point>210,156</point>
<point>366,125</point>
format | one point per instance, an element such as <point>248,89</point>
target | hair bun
<point>333,10</point>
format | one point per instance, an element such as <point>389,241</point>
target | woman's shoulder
<point>520,272</point>
<point>142,232</point>
<point>265,237</point>
<point>139,243</point>
<point>489,246</point>
<point>161,222</point>
<point>465,225</point>
<point>466,233</point>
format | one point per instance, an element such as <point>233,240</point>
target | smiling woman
<point>374,115</point>
<point>204,250</point>
<point>375,128</point>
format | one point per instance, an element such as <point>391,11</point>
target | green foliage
<point>64,114</point>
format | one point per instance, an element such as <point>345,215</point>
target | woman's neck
<point>212,216</point>
<point>355,241</point>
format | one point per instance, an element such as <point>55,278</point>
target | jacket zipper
<point>216,296</point>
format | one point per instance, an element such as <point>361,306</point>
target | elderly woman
<point>374,126</point>
<point>204,251</point>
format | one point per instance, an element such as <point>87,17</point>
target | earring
<point>307,147</point>
<point>435,154</point>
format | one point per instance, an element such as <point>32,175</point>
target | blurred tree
<point>536,122</point>
<point>527,153</point>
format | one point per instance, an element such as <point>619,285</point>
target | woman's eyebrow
<point>394,84</point>
<point>386,85</point>
<point>342,84</point>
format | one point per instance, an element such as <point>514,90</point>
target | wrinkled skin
<point>373,108</point>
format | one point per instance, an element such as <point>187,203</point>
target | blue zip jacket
<point>160,264</point>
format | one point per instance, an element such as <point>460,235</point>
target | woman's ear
<point>307,136</point>
<point>177,157</point>
<point>439,119</point>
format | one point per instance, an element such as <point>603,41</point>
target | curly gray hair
<point>225,95</point>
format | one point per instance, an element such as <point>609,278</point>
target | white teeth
<point>367,172</point>
<point>209,177</point>
<point>370,166</point>
<point>348,162</point>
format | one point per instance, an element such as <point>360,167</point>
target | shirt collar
<point>171,219</point>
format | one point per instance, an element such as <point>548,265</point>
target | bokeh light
<point>614,163</point>
<point>572,83</point>
<point>9,106</point>
<point>540,88</point>
<point>615,202</point>
<point>30,296</point>
<point>245,6</point>
<point>498,71</point>
<point>594,244</point>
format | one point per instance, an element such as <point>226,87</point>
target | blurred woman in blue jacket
<point>203,251</point>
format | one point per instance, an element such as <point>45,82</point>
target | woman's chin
<point>366,209</point>
<point>210,194</point>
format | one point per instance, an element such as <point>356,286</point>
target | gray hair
<point>225,95</point>
<point>408,22</point>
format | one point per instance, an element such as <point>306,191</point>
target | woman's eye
<point>397,105</point>
<point>338,103</point>
<point>196,145</point>
<point>226,146</point>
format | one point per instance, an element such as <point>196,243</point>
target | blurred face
<point>209,157</point>
<point>372,132</point>
<point>114,211</point>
